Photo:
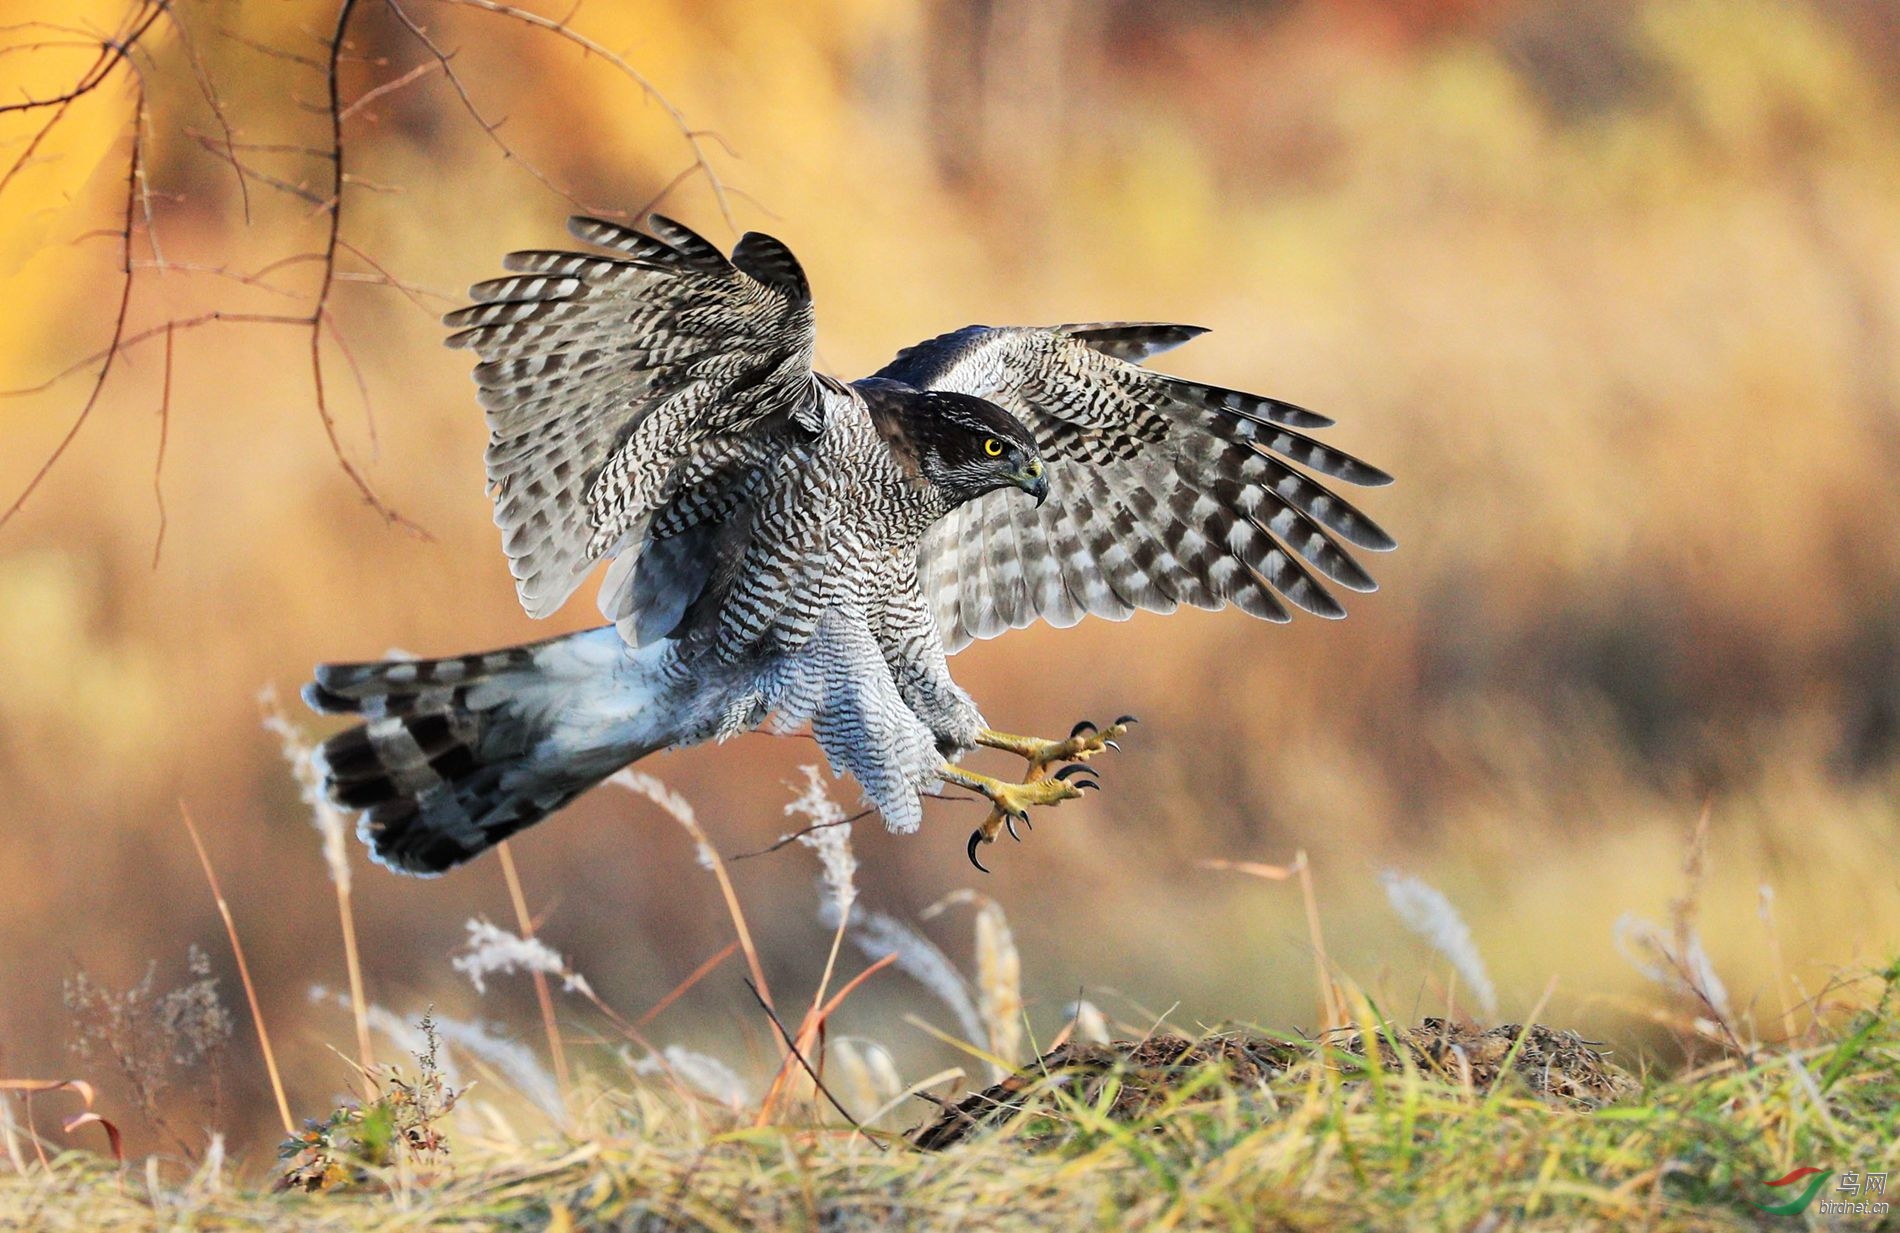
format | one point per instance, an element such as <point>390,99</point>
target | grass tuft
<point>1369,1123</point>
<point>1274,1134</point>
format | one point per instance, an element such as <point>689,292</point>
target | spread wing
<point>1162,491</point>
<point>655,378</point>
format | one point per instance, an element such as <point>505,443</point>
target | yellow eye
<point>993,448</point>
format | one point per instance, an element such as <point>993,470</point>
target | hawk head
<point>963,446</point>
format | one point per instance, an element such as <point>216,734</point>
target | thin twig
<point>247,172</point>
<point>112,53</point>
<point>328,281</point>
<point>143,179</point>
<point>32,146</point>
<point>244,971</point>
<point>111,353</point>
<point>796,835</point>
<point>164,430</point>
<point>678,991</point>
<point>811,1024</point>
<point>824,1013</point>
<point>490,129</point>
<point>215,271</point>
<point>541,993</point>
<point>127,342</point>
<point>210,93</point>
<point>410,291</point>
<point>277,53</point>
<point>694,138</point>
<point>90,34</point>
<point>388,87</point>
<point>657,792</point>
<point>362,384</point>
<point>786,1037</point>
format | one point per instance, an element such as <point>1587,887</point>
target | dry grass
<point>1441,1124</point>
<point>1690,1155</point>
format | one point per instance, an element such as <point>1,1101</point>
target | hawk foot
<point>1085,740</point>
<point>1010,802</point>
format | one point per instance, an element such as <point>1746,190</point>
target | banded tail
<point>457,754</point>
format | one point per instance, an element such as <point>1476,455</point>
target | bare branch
<point>164,430</point>
<point>260,147</point>
<point>205,88</point>
<point>143,124</point>
<point>321,310</point>
<point>112,53</point>
<point>388,87</point>
<point>491,129</point>
<point>693,137</point>
<point>94,75</point>
<point>246,171</point>
<point>281,262</point>
<point>92,36</point>
<point>817,1082</point>
<point>134,175</point>
<point>216,271</point>
<point>666,190</point>
<point>362,385</point>
<point>410,291</point>
<point>364,182</point>
<point>796,835</point>
<point>32,146</point>
<point>129,341</point>
<point>276,53</point>
<point>27,49</point>
<point>146,204</point>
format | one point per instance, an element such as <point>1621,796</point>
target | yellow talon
<point>1084,742</point>
<point>1010,802</point>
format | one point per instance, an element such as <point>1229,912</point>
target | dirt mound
<point>1559,1066</point>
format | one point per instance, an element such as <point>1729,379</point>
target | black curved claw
<point>1111,745</point>
<point>1074,768</point>
<point>1086,783</point>
<point>1009,821</point>
<point>1079,729</point>
<point>1125,720</point>
<point>976,837</point>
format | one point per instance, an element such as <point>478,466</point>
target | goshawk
<point>791,550</point>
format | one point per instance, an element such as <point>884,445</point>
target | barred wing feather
<point>1162,491</point>
<point>613,381</point>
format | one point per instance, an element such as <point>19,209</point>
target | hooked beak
<point>1034,480</point>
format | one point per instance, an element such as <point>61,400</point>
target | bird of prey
<point>789,550</point>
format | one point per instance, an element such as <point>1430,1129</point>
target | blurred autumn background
<point>1612,289</point>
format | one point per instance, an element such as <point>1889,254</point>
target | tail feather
<point>399,686</point>
<point>457,754</point>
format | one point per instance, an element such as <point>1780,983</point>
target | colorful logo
<point>1799,1203</point>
